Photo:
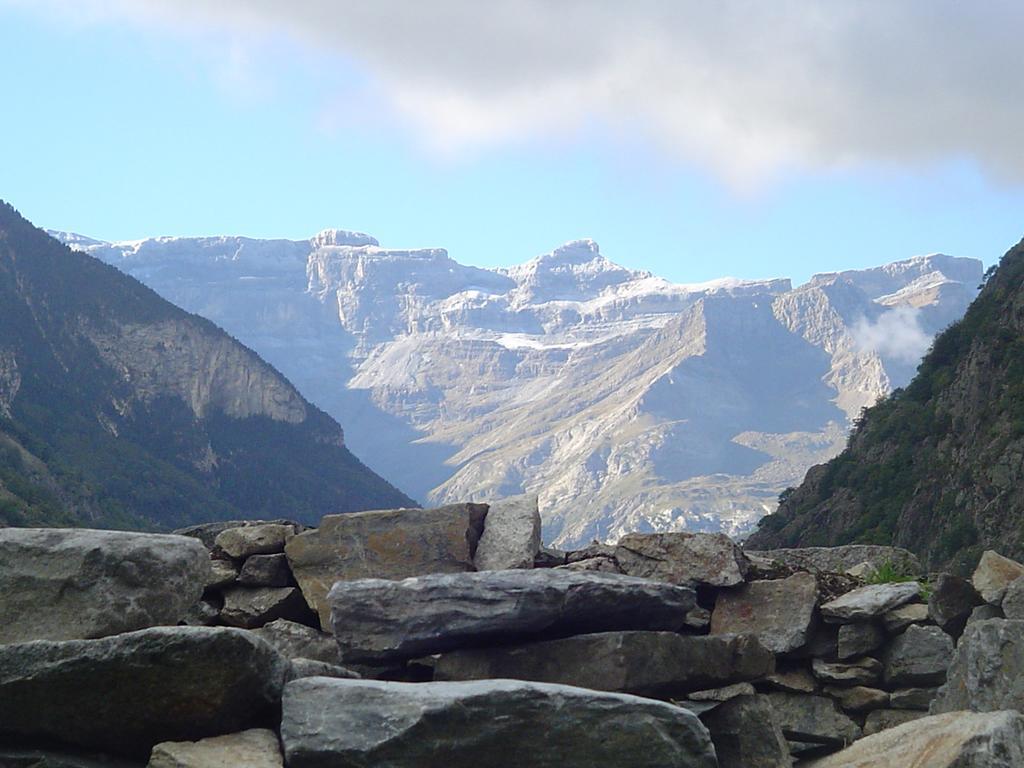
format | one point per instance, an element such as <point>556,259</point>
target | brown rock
<point>240,543</point>
<point>994,574</point>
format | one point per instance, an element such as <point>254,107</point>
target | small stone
<point>912,698</point>
<point>780,613</point>
<point>256,748</point>
<point>249,607</point>
<point>918,657</point>
<point>869,602</point>
<point>813,719</point>
<point>746,734</point>
<point>294,640</point>
<point>222,574</point>
<point>1013,600</point>
<point>697,618</point>
<point>858,698</point>
<point>994,574</point>
<point>865,671</point>
<point>898,619</point>
<point>712,559</point>
<point>300,668</point>
<point>884,719</point>
<point>266,571</point>
<point>511,537</point>
<point>240,543</point>
<point>951,602</point>
<point>791,679</point>
<point>858,639</point>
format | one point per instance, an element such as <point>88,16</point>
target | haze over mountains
<point>626,401</point>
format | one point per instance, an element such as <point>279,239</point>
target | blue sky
<point>131,120</point>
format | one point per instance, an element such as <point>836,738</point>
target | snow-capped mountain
<point>626,401</point>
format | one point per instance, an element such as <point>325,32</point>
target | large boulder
<point>69,584</point>
<point>682,558</point>
<point>255,748</point>
<point>920,656</point>
<point>511,537</point>
<point>746,734</point>
<point>497,723</point>
<point>378,620</point>
<point>392,544</point>
<point>954,740</point>
<point>870,602</point>
<point>994,574</point>
<point>780,612</point>
<point>125,693</point>
<point>842,559</point>
<point>987,671</point>
<point>659,664</point>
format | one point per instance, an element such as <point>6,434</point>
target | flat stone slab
<point>955,740</point>
<point>390,544</point>
<point>780,612</point>
<point>658,664</point>
<point>493,723</point>
<point>682,558</point>
<point>255,748</point>
<point>511,537</point>
<point>865,603</point>
<point>380,620</point>
<point>126,693</point>
<point>863,671</point>
<point>987,671</point>
<point>74,583</point>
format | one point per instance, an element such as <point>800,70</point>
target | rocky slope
<point>938,467</point>
<point>119,409</point>
<point>625,401</point>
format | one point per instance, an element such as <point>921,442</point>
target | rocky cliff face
<point>939,466</point>
<point>625,401</point>
<point>120,409</point>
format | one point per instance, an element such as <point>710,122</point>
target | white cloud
<point>744,87</point>
<point>895,334</point>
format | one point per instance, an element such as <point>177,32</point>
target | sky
<point>691,139</point>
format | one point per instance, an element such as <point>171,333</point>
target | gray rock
<point>814,719</point>
<point>598,564</point>
<point>781,612</point>
<point>746,734</point>
<point>858,639</point>
<point>898,619</point>
<point>203,614</point>
<point>722,694</point>
<point>125,693</point>
<point>497,723</point>
<point>391,544</point>
<point>994,574</point>
<point>222,574</point>
<point>294,641</point>
<point>378,620</point>
<point>985,612</point>
<point>658,664</point>
<point>884,719</point>
<point>955,740</point>
<point>842,559</point>
<point>864,671</point>
<point>912,698</point>
<point>250,607</point>
<point>266,571</point>
<point>869,602</point>
<point>300,668</point>
<point>823,643</point>
<point>858,698</point>
<point>920,656</point>
<point>207,532</point>
<point>549,557</point>
<point>511,537</point>
<point>987,671</point>
<point>255,748</point>
<point>792,679</point>
<point>266,539</point>
<point>27,757</point>
<point>682,558</point>
<point>68,584</point>
<point>1013,600</point>
<point>951,602</point>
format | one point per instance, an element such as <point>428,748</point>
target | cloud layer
<point>897,334</point>
<point>743,87</point>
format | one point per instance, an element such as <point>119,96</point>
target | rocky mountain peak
<point>341,237</point>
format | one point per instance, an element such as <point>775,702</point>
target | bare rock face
<point>870,602</point>
<point>498,723</point>
<point>994,574</point>
<point>378,620</point>
<point>987,671</point>
<point>126,693</point>
<point>954,740</point>
<point>255,748</point>
<point>657,664</point>
<point>682,558</point>
<point>511,537</point>
<point>392,544</point>
<point>67,584</point>
<point>779,612</point>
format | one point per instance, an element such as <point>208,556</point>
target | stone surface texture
<point>993,575</point>
<point>780,612</point>
<point>920,656</point>
<point>682,558</point>
<point>255,748</point>
<point>511,537</point>
<point>869,602</point>
<point>250,607</point>
<point>746,734</point>
<point>293,640</point>
<point>987,671</point>
<point>842,559</point>
<point>815,719</point>
<point>265,539</point>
